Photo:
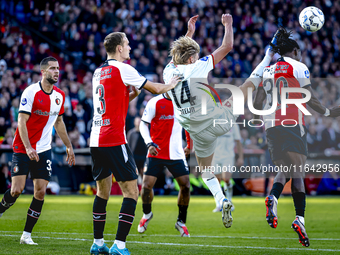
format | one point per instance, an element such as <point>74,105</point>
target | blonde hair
<point>182,49</point>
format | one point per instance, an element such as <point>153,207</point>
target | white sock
<point>147,216</point>
<point>217,202</point>
<point>214,186</point>
<point>26,233</point>
<point>120,244</point>
<point>302,219</point>
<point>229,189</point>
<point>99,242</point>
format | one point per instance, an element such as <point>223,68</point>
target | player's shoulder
<point>295,64</point>
<point>33,88</point>
<point>155,99</point>
<point>58,90</point>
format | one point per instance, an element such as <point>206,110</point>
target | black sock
<point>7,201</point>
<point>182,213</point>
<point>33,214</point>
<point>146,208</point>
<point>99,217</point>
<point>276,190</point>
<point>126,216</point>
<point>299,203</point>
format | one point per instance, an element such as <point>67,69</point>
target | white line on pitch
<point>185,244</point>
<point>198,236</point>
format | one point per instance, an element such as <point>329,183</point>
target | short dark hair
<point>44,62</point>
<point>112,40</point>
<point>284,43</point>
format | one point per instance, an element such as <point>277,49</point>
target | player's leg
<point>125,171</point>
<point>34,210</point>
<point>11,195</point>
<point>103,177</point>
<point>299,196</point>
<point>218,207</point>
<point>147,198</point>
<point>180,171</point>
<point>19,171</point>
<point>228,188</point>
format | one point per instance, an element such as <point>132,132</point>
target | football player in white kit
<point>187,98</point>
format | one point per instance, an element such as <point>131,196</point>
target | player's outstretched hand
<point>335,112</point>
<point>227,19</point>
<point>174,81</point>
<point>135,91</point>
<point>192,24</point>
<point>32,154</point>
<point>70,159</point>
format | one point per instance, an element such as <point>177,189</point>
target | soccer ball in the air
<point>311,19</point>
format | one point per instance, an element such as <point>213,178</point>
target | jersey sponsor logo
<point>100,123</point>
<point>307,74</point>
<point>24,101</point>
<point>16,169</point>
<point>57,101</point>
<point>169,117</point>
<point>40,112</point>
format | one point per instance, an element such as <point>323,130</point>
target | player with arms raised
<point>287,144</point>
<point>187,99</point>
<point>41,108</point>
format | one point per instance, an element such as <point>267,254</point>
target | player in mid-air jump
<point>41,108</point>
<point>287,144</point>
<point>187,100</point>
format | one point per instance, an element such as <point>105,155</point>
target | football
<point>311,19</point>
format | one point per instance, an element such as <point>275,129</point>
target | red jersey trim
<point>213,60</point>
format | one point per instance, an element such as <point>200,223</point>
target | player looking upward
<point>287,144</point>
<point>41,108</point>
<point>187,100</point>
<point>109,149</point>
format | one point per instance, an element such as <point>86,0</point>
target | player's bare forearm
<point>159,88</point>
<point>228,39</point>
<point>315,104</point>
<point>60,127</point>
<point>22,121</point>
<point>132,95</point>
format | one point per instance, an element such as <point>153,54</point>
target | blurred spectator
<point>330,138</point>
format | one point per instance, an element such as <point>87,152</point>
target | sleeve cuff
<point>143,84</point>
<point>308,85</point>
<point>146,122</point>
<point>213,60</point>
<point>25,112</point>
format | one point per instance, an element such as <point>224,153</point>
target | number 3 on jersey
<point>185,92</point>
<point>100,92</point>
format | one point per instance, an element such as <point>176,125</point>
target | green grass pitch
<point>65,227</point>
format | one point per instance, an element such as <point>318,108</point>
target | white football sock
<point>229,189</point>
<point>214,186</point>
<point>302,219</point>
<point>99,242</point>
<point>120,244</point>
<point>26,233</point>
<point>147,216</point>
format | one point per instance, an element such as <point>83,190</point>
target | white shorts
<point>205,141</point>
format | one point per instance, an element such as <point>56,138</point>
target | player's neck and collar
<point>46,87</point>
<point>115,58</point>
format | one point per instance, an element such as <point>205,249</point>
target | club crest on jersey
<point>15,169</point>
<point>57,101</point>
<point>24,101</point>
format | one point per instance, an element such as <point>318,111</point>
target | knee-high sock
<point>33,214</point>
<point>7,201</point>
<point>99,217</point>
<point>126,217</point>
<point>214,186</point>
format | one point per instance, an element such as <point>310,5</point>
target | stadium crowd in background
<point>76,29</point>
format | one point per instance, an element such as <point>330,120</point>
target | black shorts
<point>117,160</point>
<point>22,165</point>
<point>282,139</point>
<point>155,166</point>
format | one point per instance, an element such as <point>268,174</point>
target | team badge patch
<point>24,101</point>
<point>307,74</point>
<point>16,169</point>
<point>57,101</point>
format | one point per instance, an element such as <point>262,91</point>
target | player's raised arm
<point>191,26</point>
<point>228,39</point>
<point>159,88</point>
